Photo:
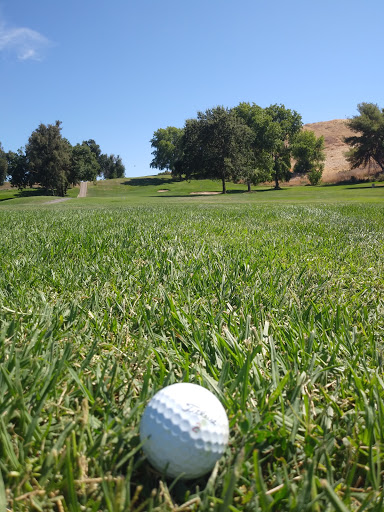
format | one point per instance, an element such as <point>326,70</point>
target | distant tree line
<point>51,162</point>
<point>252,144</point>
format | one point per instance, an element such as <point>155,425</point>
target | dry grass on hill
<point>336,166</point>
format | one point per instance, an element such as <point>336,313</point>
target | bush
<point>314,176</point>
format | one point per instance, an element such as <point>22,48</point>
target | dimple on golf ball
<point>184,430</point>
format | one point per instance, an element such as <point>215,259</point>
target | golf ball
<point>184,430</point>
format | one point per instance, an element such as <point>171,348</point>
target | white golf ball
<point>185,430</point>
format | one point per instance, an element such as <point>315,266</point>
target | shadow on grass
<point>143,182</point>
<point>338,184</point>
<point>366,187</point>
<point>27,193</point>
<point>352,184</point>
<point>364,182</point>
<point>33,193</point>
<point>267,190</point>
<point>214,194</point>
<point>257,191</point>
<point>196,194</point>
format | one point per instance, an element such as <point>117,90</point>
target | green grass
<point>145,190</point>
<point>276,308</point>
<point>137,190</point>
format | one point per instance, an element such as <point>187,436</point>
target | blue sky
<point>116,71</point>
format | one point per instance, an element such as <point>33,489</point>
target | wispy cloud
<point>24,43</point>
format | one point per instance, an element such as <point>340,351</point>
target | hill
<point>336,166</point>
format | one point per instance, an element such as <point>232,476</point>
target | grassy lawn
<point>28,196</point>
<point>130,191</point>
<point>272,300</point>
<point>134,190</point>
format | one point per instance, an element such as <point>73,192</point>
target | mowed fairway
<point>276,308</point>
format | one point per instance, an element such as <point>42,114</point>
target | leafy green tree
<point>111,166</point>
<point>260,169</point>
<point>95,148</point>
<point>49,158</point>
<point>84,164</point>
<point>3,165</point>
<point>18,169</point>
<point>119,167</point>
<point>308,151</point>
<point>368,144</point>
<point>167,148</point>
<point>216,145</point>
<point>283,126</point>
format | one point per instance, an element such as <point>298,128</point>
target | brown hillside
<point>336,166</point>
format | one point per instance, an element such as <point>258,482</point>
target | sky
<point>116,71</point>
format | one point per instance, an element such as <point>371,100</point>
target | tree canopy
<point>248,143</point>
<point>308,151</point>
<point>215,145</point>
<point>18,169</point>
<point>95,148</point>
<point>167,148</point>
<point>50,161</point>
<point>111,166</point>
<point>84,164</point>
<point>283,125</point>
<point>258,121</point>
<point>49,158</point>
<point>368,144</point>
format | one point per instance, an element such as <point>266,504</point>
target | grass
<point>135,190</point>
<point>145,190</point>
<point>276,308</point>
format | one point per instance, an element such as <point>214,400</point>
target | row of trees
<point>50,161</point>
<point>247,143</point>
<point>253,144</point>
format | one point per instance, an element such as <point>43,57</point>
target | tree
<point>167,148</point>
<point>216,145</point>
<point>84,164</point>
<point>95,148</point>
<point>308,150</point>
<point>18,169</point>
<point>283,126</point>
<point>368,145</point>
<point>49,158</point>
<point>119,169</point>
<point>3,165</point>
<point>260,169</point>
<point>111,166</point>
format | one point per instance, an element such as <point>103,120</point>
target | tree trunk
<point>277,186</point>
<point>224,187</point>
<point>249,185</point>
